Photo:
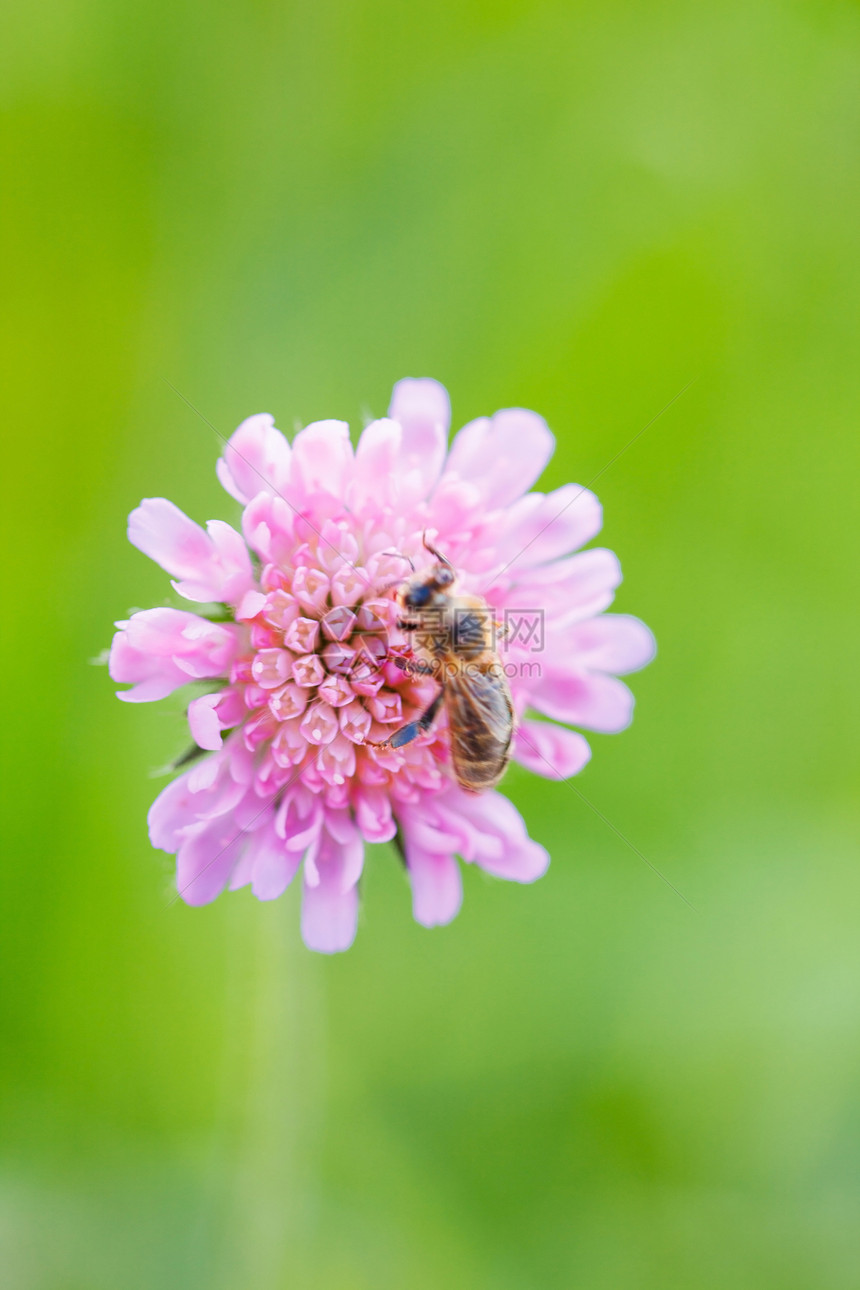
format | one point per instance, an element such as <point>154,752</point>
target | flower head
<point>306,666</point>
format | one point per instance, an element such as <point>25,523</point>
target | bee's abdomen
<point>481,722</point>
<point>478,776</point>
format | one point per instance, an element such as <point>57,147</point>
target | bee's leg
<point>406,734</point>
<point>414,666</point>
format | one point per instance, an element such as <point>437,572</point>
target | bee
<point>453,642</point>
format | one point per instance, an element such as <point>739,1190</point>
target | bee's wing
<point>481,723</point>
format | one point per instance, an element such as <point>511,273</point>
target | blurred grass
<point>579,209</point>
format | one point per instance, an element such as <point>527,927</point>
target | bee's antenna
<point>443,559</point>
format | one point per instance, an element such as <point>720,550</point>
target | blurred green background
<point>568,206</point>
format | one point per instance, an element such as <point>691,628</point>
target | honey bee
<point>453,642</point>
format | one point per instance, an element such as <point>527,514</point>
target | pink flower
<point>308,673</point>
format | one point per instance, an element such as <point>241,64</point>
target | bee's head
<point>422,588</point>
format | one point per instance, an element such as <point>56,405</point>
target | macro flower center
<point>320,683</point>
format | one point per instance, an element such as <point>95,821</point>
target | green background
<point>575,207</point>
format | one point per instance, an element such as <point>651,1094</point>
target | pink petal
<point>215,791</point>
<point>201,794</point>
<point>539,528</point>
<point>206,859</point>
<point>455,508</point>
<point>322,458</point>
<point>592,700</point>
<point>274,867</point>
<point>158,650</point>
<point>349,584</point>
<point>288,745</point>
<point>256,459</point>
<point>336,691</point>
<point>288,701</point>
<point>271,667</point>
<point>355,721</point>
<point>421,405</point>
<point>424,829</point>
<point>329,918</point>
<point>251,604</point>
<point>302,634</point>
<point>232,574</point>
<point>502,456</point>
<point>243,872</point>
<point>299,819</point>
<point>423,410</point>
<point>521,860</point>
<point>550,750</point>
<point>376,458</point>
<point>373,814</point>
<point>575,588</point>
<point>210,566</point>
<point>308,671</point>
<point>611,643</point>
<point>336,761</point>
<point>493,835</point>
<point>437,887</point>
<point>203,721</point>
<point>268,525</point>
<point>154,678</point>
<point>173,811</point>
<point>279,609</point>
<point>166,534</point>
<point>348,845</point>
<point>319,725</point>
<point>341,828</point>
<point>330,906</point>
